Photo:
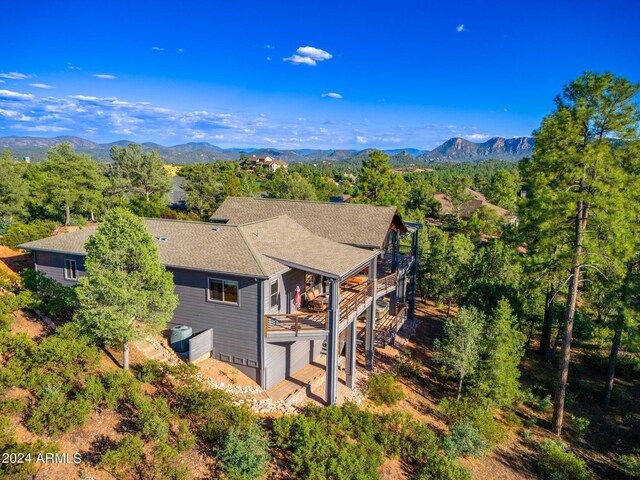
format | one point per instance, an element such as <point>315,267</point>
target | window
<point>70,272</point>
<point>274,294</point>
<point>223,291</point>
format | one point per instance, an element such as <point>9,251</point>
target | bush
<point>580,425</point>
<point>55,413</point>
<point>481,418</point>
<point>185,438</point>
<point>465,440</point>
<point>384,389</point>
<point>544,404</point>
<point>630,464</point>
<point>557,463</point>
<point>119,386</point>
<point>150,371</point>
<point>244,454</point>
<point>407,367</point>
<point>11,406</point>
<point>58,301</point>
<point>443,468</point>
<point>124,459</point>
<point>19,232</point>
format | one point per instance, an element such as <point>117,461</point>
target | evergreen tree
<point>457,190</point>
<point>127,291</point>
<point>67,182</point>
<point>202,189</point>
<point>577,179</point>
<point>502,189</point>
<point>137,172</point>
<point>503,347</point>
<point>13,188</point>
<point>460,349</point>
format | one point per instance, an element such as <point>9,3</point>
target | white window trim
<point>223,280</point>
<point>277,294</point>
<point>75,265</point>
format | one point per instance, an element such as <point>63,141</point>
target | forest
<point>539,317</point>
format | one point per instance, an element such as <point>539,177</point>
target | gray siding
<point>285,359</point>
<point>287,283</point>
<point>236,337</point>
<point>235,327</point>
<point>52,265</point>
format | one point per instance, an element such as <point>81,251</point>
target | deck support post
<point>333,343</point>
<point>369,340</point>
<point>351,354</point>
<point>414,276</point>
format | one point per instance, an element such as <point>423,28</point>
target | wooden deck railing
<point>352,301</point>
<point>388,326</point>
<point>295,322</point>
<point>388,283</point>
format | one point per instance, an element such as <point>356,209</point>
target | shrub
<point>557,463</point>
<point>443,468</point>
<point>480,417</point>
<point>544,404</point>
<point>119,387</point>
<point>407,367</point>
<point>185,438</point>
<point>530,422</point>
<point>580,425</point>
<point>25,469</point>
<point>125,458</point>
<point>513,419</point>
<point>55,413</point>
<point>150,371</point>
<point>94,391</point>
<point>10,406</point>
<point>465,440</point>
<point>630,464</point>
<point>19,232</point>
<point>244,454</point>
<point>58,301</point>
<point>328,443</point>
<point>152,417</point>
<point>384,389</point>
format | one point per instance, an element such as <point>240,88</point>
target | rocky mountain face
<point>453,150</point>
<point>461,150</point>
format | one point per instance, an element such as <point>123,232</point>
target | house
<point>467,209</point>
<point>354,266</point>
<point>267,162</point>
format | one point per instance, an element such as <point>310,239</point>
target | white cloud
<point>14,76</point>
<point>45,128</point>
<point>269,58</point>
<point>460,28</point>
<point>308,56</point>
<point>104,76</point>
<point>40,85</point>
<point>361,139</point>
<point>269,47</point>
<point>157,49</point>
<point>2,81</point>
<point>72,67</point>
<point>478,136</point>
<point>180,50</point>
<point>332,95</point>
<point>15,96</point>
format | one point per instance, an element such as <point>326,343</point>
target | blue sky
<point>348,74</point>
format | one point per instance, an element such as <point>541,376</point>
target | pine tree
<point>577,180</point>
<point>460,348</point>
<point>127,291</point>
<point>13,188</point>
<point>503,348</point>
<point>67,181</point>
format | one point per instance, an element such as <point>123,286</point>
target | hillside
<point>453,150</point>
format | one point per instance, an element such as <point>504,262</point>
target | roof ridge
<point>254,253</point>
<point>177,220</point>
<point>237,225</point>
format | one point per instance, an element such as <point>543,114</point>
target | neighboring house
<point>267,162</point>
<point>238,276</point>
<point>468,209</point>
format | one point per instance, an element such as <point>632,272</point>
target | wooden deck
<point>299,380</point>
<point>353,300</point>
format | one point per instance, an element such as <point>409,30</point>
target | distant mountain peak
<point>458,149</point>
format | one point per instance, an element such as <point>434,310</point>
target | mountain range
<point>454,150</point>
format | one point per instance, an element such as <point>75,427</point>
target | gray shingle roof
<point>259,249</point>
<point>350,223</point>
